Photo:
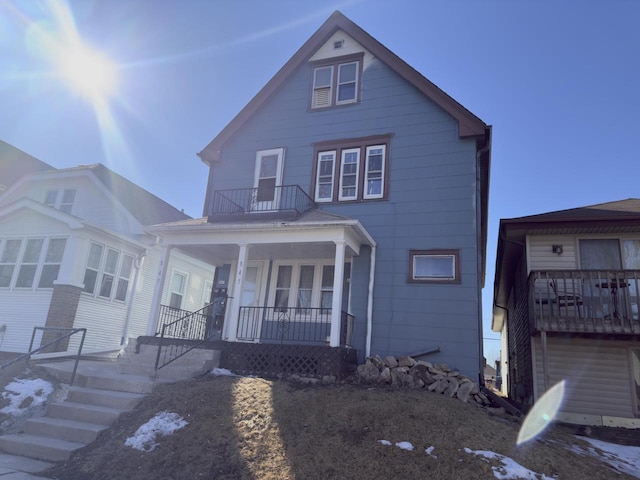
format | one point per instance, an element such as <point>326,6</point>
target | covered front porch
<point>277,282</point>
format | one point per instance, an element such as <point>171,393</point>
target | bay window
<point>107,268</point>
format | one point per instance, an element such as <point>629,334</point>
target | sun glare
<point>87,71</point>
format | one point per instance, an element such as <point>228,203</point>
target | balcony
<point>585,301</point>
<point>284,202</point>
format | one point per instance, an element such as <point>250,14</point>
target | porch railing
<point>181,331</point>
<point>291,325</point>
<point>585,301</point>
<point>265,199</point>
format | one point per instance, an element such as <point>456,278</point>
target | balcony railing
<point>287,198</point>
<point>291,325</point>
<point>585,301</point>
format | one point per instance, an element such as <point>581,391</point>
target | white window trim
<point>335,84</point>
<point>344,152</point>
<point>455,266</point>
<point>183,294</point>
<point>19,261</point>
<point>316,291</point>
<point>339,83</point>
<point>101,272</point>
<point>365,195</point>
<point>333,154</point>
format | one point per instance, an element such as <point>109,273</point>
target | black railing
<point>589,301</point>
<point>182,331</point>
<point>291,325</point>
<point>265,199</point>
<point>64,336</point>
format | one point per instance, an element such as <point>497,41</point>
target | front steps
<point>102,391</point>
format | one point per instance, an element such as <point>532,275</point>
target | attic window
<point>336,83</point>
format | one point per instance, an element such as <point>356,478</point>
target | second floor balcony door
<point>267,180</point>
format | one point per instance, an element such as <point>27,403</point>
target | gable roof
<point>468,124</point>
<point>14,164</point>
<point>620,216</point>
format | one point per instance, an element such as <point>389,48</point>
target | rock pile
<point>406,372</point>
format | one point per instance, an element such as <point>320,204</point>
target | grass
<point>252,428</point>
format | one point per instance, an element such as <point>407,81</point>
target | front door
<point>268,180</point>
<point>250,321</point>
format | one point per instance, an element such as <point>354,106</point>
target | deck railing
<point>291,325</point>
<point>585,301</point>
<point>255,200</point>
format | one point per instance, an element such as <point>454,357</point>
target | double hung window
<point>352,170</point>
<point>178,287</point>
<point>108,273</point>
<point>304,287</point>
<point>336,84</point>
<point>25,263</point>
<point>60,199</point>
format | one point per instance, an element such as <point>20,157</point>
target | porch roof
<point>307,236</point>
<point>622,216</point>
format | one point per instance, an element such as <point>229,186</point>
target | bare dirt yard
<point>252,428</point>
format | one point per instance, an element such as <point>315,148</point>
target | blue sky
<point>558,80</point>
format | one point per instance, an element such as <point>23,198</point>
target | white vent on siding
<point>321,97</point>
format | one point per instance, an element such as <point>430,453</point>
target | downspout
<point>482,253</point>
<point>137,264</point>
<point>372,276</point>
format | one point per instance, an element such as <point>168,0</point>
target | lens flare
<point>542,413</point>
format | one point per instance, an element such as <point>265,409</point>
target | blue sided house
<point>346,216</point>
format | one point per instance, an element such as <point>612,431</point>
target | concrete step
<point>106,398</point>
<point>41,448</point>
<point>82,412</point>
<point>63,429</point>
<point>117,382</point>
<point>170,372</point>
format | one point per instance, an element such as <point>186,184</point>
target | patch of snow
<point>405,445</point>
<point>222,372</point>
<point>429,451</point>
<point>623,458</point>
<point>163,424</point>
<point>510,469</point>
<point>18,391</point>
<point>385,442</point>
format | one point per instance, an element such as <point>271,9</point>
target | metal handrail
<point>253,200</point>
<point>71,331</point>
<point>198,326</point>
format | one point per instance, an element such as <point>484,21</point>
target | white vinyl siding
<point>590,368</point>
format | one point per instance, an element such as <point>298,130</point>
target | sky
<point>557,79</point>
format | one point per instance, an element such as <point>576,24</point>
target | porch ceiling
<point>227,253</point>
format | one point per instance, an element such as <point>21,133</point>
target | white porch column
<point>336,305</point>
<point>161,277</point>
<point>236,294</point>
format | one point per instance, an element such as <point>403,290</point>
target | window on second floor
<point>336,83</point>
<point>60,199</point>
<point>351,170</point>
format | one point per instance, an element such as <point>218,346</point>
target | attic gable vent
<point>338,44</point>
